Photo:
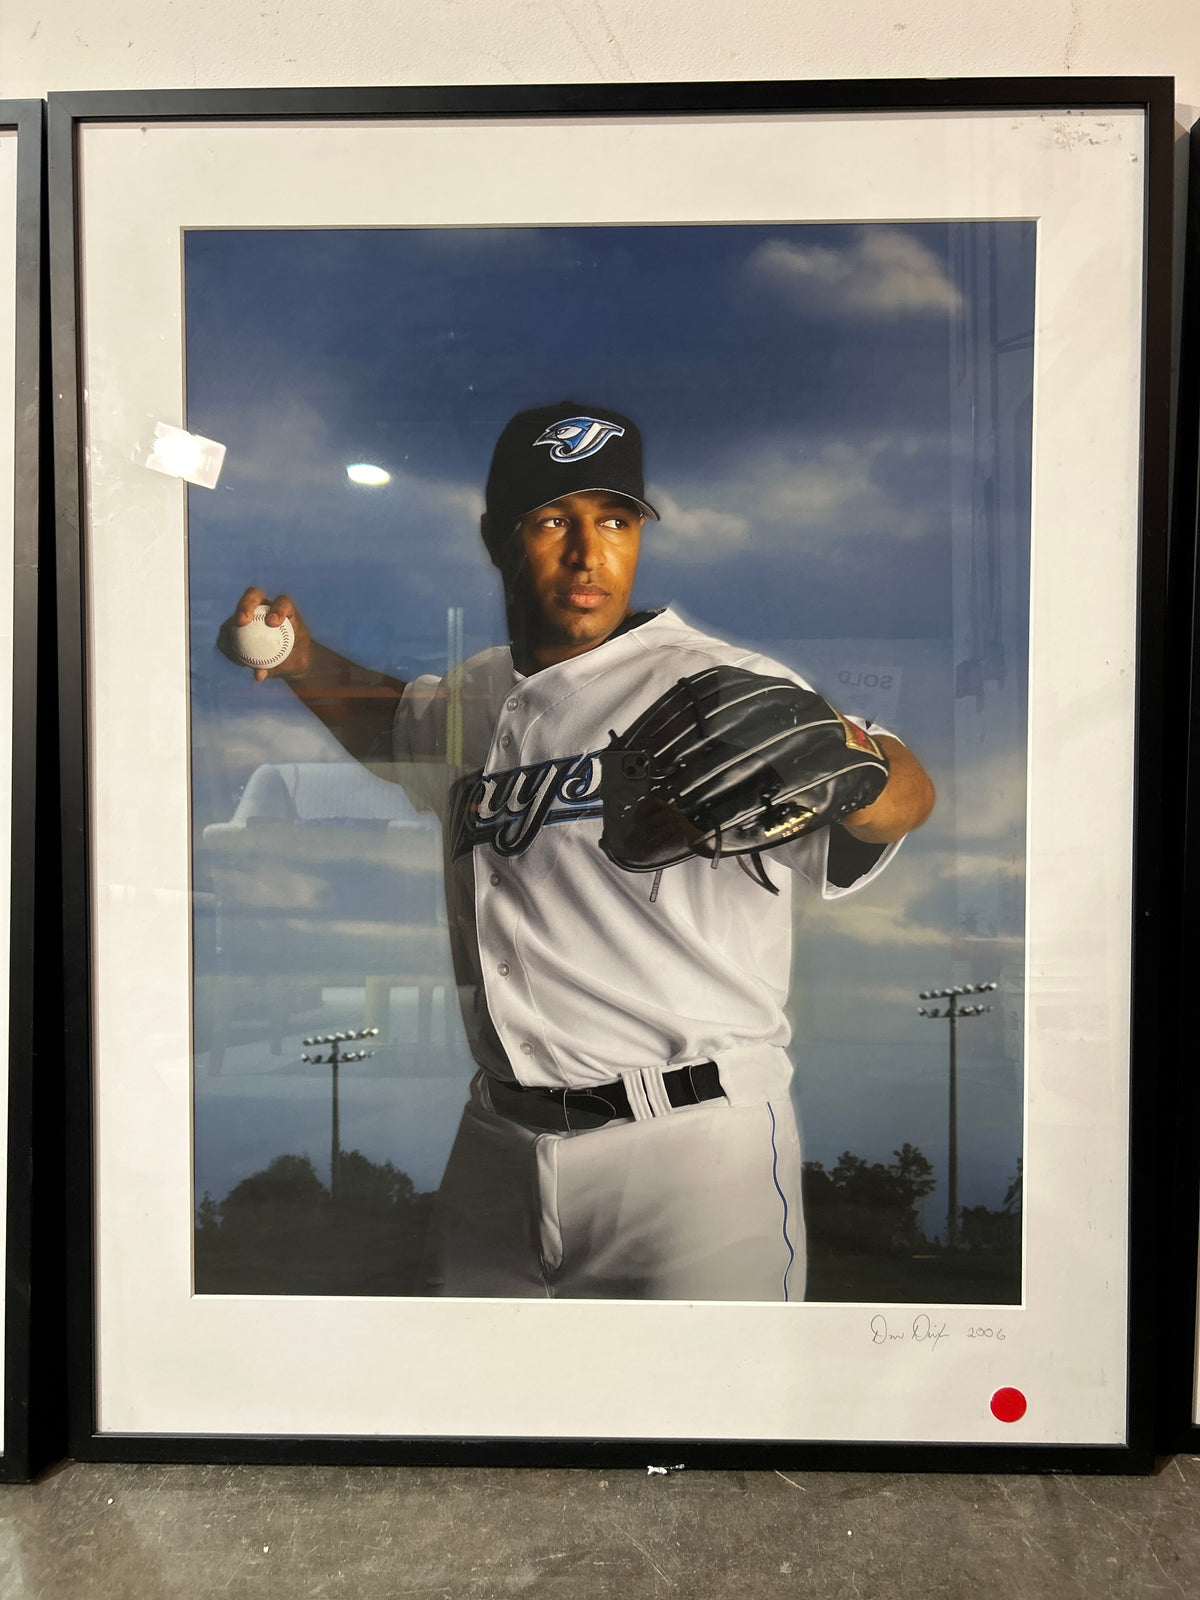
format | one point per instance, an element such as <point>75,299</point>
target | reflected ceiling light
<point>364,472</point>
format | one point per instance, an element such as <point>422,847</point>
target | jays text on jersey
<point>574,973</point>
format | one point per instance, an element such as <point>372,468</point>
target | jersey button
<point>526,1048</point>
<point>505,740</point>
<point>504,969</point>
<point>494,880</point>
<point>512,704</point>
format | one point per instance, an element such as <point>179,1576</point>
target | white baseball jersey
<point>578,973</point>
<point>571,976</point>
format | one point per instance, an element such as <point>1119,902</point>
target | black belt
<point>571,1110</point>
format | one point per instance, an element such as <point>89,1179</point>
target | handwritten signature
<point>923,1330</point>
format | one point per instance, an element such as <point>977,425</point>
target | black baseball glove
<point>729,762</point>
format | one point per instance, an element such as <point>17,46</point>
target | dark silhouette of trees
<point>287,1181</point>
<point>279,1232</point>
<point>368,1185</point>
<point>865,1206</point>
<point>866,1243</point>
<point>996,1230</point>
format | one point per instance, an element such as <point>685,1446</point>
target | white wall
<point>47,45</point>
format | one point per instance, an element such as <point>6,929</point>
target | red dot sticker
<point>1008,1405</point>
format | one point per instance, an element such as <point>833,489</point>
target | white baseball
<point>257,645</point>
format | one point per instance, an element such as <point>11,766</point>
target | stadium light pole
<point>951,1013</point>
<point>334,1060</point>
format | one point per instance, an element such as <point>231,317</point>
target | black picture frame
<point>26,1445</point>
<point>69,115</point>
<point>1179,1391</point>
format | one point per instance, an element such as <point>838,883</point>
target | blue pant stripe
<point>775,1180</point>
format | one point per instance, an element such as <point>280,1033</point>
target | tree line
<point>869,1208</point>
<point>280,1231</point>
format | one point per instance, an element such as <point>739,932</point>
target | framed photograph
<point>1179,1367</point>
<point>20,274</point>
<point>585,614</point>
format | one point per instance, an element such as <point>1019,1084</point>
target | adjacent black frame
<point>22,1417</point>
<point>1180,1347</point>
<point>1155,898</point>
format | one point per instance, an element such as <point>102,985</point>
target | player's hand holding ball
<point>268,636</point>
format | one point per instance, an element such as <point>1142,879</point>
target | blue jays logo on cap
<point>574,438</point>
<point>523,477</point>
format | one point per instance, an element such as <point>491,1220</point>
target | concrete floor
<point>375,1533</point>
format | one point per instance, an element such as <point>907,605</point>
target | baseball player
<point>630,1132</point>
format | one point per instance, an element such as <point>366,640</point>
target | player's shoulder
<point>682,649</point>
<point>486,666</point>
<point>481,680</point>
<point>493,665</point>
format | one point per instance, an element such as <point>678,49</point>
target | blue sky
<point>813,400</point>
<point>777,401</point>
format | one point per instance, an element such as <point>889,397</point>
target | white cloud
<point>708,532</point>
<point>983,867</point>
<point>248,739</point>
<point>821,496</point>
<point>883,922</point>
<point>884,272</point>
<point>992,794</point>
<point>916,901</point>
<point>289,447</point>
<point>820,488</point>
<point>289,457</point>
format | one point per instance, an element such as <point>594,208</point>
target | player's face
<point>576,560</point>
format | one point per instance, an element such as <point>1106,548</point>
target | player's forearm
<point>905,803</point>
<point>356,704</point>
